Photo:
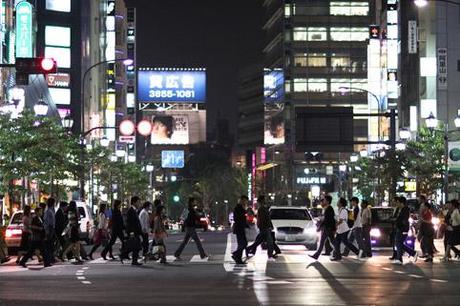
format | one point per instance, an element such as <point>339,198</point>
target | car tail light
<point>13,232</point>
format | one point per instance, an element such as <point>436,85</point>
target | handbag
<point>100,236</point>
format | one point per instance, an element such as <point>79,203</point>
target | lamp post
<point>126,62</point>
<point>345,89</point>
<point>432,123</point>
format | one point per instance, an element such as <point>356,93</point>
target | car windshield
<point>289,214</point>
<point>17,218</point>
<point>382,215</point>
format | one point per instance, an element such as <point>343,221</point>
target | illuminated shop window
<point>60,96</point>
<point>317,85</point>
<point>349,34</point>
<point>310,60</point>
<point>60,55</point>
<point>300,85</point>
<point>310,34</point>
<point>57,36</point>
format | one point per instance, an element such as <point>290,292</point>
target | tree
<point>426,160</point>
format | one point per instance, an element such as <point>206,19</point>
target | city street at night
<point>293,279</point>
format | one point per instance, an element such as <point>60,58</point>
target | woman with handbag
<point>160,234</point>
<point>101,235</point>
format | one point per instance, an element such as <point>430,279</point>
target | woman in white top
<point>101,235</point>
<point>342,232</point>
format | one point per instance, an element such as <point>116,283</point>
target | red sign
<point>58,80</point>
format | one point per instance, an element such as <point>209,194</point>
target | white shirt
<point>144,218</point>
<point>358,222</point>
<point>342,227</point>
<point>455,218</point>
<point>102,221</point>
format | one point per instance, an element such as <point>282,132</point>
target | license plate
<point>290,238</point>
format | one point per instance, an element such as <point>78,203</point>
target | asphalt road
<point>293,279</point>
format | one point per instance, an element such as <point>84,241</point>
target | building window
<point>349,34</point>
<point>300,85</point>
<point>340,62</point>
<point>310,60</point>
<point>317,85</point>
<point>60,95</point>
<point>310,34</point>
<point>287,10</point>
<point>60,55</point>
<point>59,5</point>
<point>57,36</point>
<point>346,8</point>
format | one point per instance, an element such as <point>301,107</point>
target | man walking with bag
<point>239,229</point>
<point>327,226</point>
<point>134,231</point>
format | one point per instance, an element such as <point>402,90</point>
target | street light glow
<point>457,122</point>
<point>105,142</point>
<point>41,108</point>
<point>354,158</point>
<point>431,121</point>
<point>404,134</point>
<point>421,3</point>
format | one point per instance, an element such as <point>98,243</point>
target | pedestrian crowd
<point>53,235</point>
<point>350,229</point>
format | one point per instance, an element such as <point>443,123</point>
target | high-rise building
<point>319,53</point>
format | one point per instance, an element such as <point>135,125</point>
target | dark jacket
<point>402,221</point>
<point>239,219</point>
<point>329,222</point>
<point>133,225</point>
<point>60,221</point>
<point>192,218</point>
<point>264,221</point>
<point>38,229</point>
<point>117,224</point>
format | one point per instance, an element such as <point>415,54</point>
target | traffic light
<point>33,65</point>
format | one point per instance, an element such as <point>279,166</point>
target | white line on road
<point>439,281</point>
<point>85,268</point>
<point>197,258</point>
<point>415,276</point>
<point>387,269</point>
<point>399,272</point>
<point>86,282</point>
<point>81,278</point>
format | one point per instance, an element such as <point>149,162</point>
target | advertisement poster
<point>172,159</point>
<point>454,156</point>
<point>273,85</point>
<point>274,124</point>
<point>171,86</point>
<point>178,127</point>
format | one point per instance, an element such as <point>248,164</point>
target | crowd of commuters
<point>55,234</point>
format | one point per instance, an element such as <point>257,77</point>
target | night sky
<point>220,35</point>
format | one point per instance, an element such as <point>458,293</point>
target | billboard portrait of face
<point>274,125</point>
<point>170,129</point>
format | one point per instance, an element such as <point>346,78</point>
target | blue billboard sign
<point>273,85</point>
<point>169,86</point>
<point>172,159</point>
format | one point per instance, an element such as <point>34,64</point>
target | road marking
<point>81,278</point>
<point>229,265</point>
<point>86,282</point>
<point>438,281</point>
<point>197,258</point>
<point>399,272</point>
<point>387,269</point>
<point>415,276</point>
<point>85,268</point>
<point>170,258</point>
<point>78,274</point>
<point>80,271</point>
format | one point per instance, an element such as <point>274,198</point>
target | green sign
<point>24,46</point>
<point>454,156</point>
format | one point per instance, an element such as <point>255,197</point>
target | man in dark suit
<point>60,225</point>
<point>134,231</point>
<point>327,226</point>
<point>116,227</point>
<point>395,215</point>
<point>402,229</point>
<point>239,227</point>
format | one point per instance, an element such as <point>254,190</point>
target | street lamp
<point>104,142</point>
<point>67,122</point>
<point>41,108</point>
<point>431,121</point>
<point>404,134</point>
<point>354,158</point>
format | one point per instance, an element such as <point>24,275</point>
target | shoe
<point>271,259</point>
<point>103,257</point>
<point>429,259</point>
<point>163,261</point>
<point>274,256</point>
<point>423,256</point>
<point>136,263</point>
<point>177,257</point>
<point>392,258</point>
<point>360,254</point>
<point>415,257</point>
<point>23,264</point>
<point>313,256</point>
<point>90,256</point>
<point>236,259</point>
<point>326,254</point>
<point>111,257</point>
<point>78,262</point>
<point>336,259</point>
<point>344,255</point>
<point>48,265</point>
<point>397,262</point>
<point>204,256</point>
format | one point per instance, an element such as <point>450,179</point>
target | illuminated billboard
<point>274,125</point>
<point>178,127</point>
<point>172,159</point>
<point>171,85</point>
<point>273,85</point>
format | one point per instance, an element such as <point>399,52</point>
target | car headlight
<point>375,233</point>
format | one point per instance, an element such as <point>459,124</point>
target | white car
<point>294,225</point>
<point>86,221</point>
